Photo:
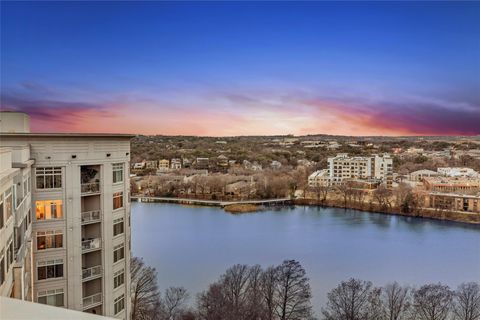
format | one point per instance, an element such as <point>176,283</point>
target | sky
<point>243,68</point>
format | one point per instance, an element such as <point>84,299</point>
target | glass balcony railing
<point>91,187</point>
<point>91,216</point>
<point>90,244</point>
<point>92,300</point>
<point>93,272</point>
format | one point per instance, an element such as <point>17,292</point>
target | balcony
<point>91,273</point>
<point>91,216</point>
<point>91,301</point>
<point>90,188</point>
<point>91,244</point>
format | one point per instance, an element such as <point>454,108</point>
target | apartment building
<point>15,223</point>
<point>453,202</point>
<point>342,167</point>
<point>75,219</point>
<point>452,184</point>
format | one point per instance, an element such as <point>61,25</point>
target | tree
<point>432,302</point>
<point>293,291</point>
<point>349,301</point>
<point>346,190</point>
<point>395,301</point>
<point>268,284</point>
<point>382,196</point>
<point>173,305</point>
<point>144,290</point>
<point>467,302</point>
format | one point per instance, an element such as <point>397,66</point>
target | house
<point>163,165</point>
<point>275,165</point>
<point>139,165</point>
<point>176,163</point>
<point>202,163</point>
<point>151,164</point>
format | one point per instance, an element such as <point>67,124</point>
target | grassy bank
<point>419,213</point>
<point>241,208</point>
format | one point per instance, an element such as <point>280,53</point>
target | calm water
<point>192,246</point>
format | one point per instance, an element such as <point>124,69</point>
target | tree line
<point>283,292</point>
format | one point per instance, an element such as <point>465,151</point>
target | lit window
<point>49,239</point>
<point>51,297</point>
<point>118,252</point>
<point>117,226</point>
<point>49,178</point>
<point>49,209</point>
<point>117,172</point>
<point>119,304</point>
<point>50,269</point>
<point>117,200</point>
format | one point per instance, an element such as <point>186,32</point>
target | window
<point>1,216</point>
<point>118,253</point>
<point>51,297</point>
<point>7,205</point>
<point>119,304</point>
<point>10,253</point>
<point>117,226</point>
<point>117,200</point>
<point>49,239</point>
<point>50,269</point>
<point>49,209</point>
<point>117,172</point>
<point>2,268</point>
<point>49,178</point>
<point>118,279</point>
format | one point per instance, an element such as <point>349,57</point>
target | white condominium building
<point>342,167</point>
<point>65,218</point>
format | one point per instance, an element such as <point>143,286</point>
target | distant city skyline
<point>243,68</point>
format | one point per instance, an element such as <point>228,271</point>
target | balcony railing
<point>91,244</point>
<point>93,272</point>
<point>91,216</point>
<point>91,187</point>
<point>92,300</point>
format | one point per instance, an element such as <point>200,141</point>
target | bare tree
<point>269,281</point>
<point>346,190</point>
<point>467,302</point>
<point>144,290</point>
<point>382,196</point>
<point>432,302</point>
<point>293,291</point>
<point>349,301</point>
<point>174,303</point>
<point>321,192</point>
<point>395,301</point>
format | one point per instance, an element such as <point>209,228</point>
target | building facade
<point>453,202</point>
<point>342,167</point>
<point>79,212</point>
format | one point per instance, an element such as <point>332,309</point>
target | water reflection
<point>192,246</point>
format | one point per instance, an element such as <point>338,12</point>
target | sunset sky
<point>243,68</point>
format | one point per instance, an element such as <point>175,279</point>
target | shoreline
<point>242,208</point>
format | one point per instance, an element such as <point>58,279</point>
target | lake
<point>193,246</point>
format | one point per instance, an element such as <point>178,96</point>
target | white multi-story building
<point>69,198</point>
<point>342,167</point>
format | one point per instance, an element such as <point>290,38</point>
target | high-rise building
<point>65,218</point>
